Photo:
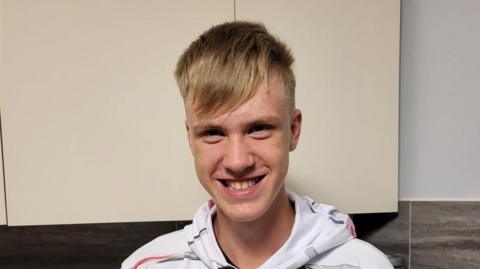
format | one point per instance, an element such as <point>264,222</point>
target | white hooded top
<point>321,238</point>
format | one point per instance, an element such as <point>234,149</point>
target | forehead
<point>270,101</point>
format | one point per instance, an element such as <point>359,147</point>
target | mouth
<point>241,184</point>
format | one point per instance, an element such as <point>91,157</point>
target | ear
<point>189,136</point>
<point>295,128</point>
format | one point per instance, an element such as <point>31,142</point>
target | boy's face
<point>241,157</point>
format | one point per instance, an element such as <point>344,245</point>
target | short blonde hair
<point>225,66</point>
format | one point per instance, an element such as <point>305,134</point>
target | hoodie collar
<point>317,229</point>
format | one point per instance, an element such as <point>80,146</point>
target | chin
<point>243,212</point>
<point>247,217</point>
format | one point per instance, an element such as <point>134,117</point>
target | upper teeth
<point>236,185</point>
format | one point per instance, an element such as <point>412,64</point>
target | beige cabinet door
<point>3,216</point>
<point>93,122</point>
<point>347,68</point>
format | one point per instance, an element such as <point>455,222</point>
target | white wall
<point>440,100</point>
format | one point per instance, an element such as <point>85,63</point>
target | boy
<point>239,94</point>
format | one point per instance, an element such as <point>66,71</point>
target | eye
<point>212,135</point>
<point>260,128</point>
<point>213,132</point>
<point>260,131</point>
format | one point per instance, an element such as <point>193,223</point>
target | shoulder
<point>355,254</point>
<point>165,249</point>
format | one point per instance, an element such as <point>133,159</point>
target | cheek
<point>206,158</point>
<point>273,151</point>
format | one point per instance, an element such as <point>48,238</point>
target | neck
<point>249,244</point>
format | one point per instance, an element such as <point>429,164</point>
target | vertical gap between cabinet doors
<point>3,170</point>
<point>234,10</point>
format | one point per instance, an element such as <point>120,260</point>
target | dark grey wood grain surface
<point>445,235</point>
<point>387,231</point>
<point>75,246</point>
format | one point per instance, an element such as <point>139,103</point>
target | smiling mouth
<point>241,184</point>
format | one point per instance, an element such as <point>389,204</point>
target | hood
<point>317,229</point>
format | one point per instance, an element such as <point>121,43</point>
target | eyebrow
<point>206,125</point>
<point>262,120</point>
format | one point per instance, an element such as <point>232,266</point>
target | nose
<point>238,159</point>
